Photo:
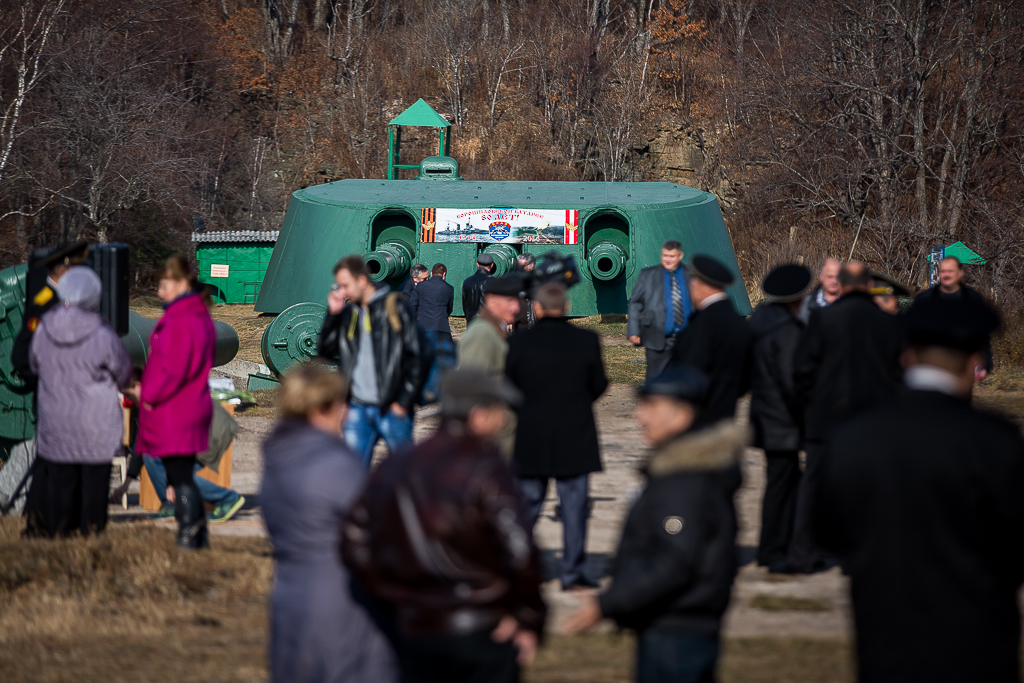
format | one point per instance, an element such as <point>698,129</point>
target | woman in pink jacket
<point>175,407</point>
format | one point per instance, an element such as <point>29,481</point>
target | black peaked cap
<point>711,271</point>
<point>506,285</point>
<point>787,283</point>
<point>683,382</point>
<point>960,324</point>
<point>70,254</point>
<point>886,284</point>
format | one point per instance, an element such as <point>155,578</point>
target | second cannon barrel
<point>607,260</point>
<point>504,258</point>
<point>390,259</point>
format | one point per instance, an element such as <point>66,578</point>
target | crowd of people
<point>425,568</point>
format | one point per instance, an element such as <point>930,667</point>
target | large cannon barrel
<point>607,261</point>
<point>136,342</point>
<point>504,258</point>
<point>390,259</point>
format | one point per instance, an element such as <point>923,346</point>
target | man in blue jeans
<point>371,333</point>
<point>225,502</point>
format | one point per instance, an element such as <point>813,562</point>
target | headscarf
<point>81,287</point>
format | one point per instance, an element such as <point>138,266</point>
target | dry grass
<point>129,605</point>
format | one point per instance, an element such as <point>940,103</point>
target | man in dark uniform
<point>660,308</point>
<point>46,268</point>
<point>473,286</point>
<point>774,412</point>
<point>847,361</point>
<point>41,296</point>
<point>921,499</point>
<point>716,341</point>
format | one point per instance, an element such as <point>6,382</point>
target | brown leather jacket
<point>439,533</point>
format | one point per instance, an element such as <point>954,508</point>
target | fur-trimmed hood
<point>713,448</point>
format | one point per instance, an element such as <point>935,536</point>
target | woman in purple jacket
<point>80,363</point>
<point>175,408</point>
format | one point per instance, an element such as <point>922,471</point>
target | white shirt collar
<point>713,299</point>
<point>931,378</point>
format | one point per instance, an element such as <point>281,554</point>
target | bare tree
<point>24,32</point>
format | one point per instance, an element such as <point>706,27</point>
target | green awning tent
<point>966,255</point>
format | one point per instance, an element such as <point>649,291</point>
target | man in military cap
<point>847,361</point>
<point>921,500</point>
<point>716,341</point>
<point>47,266</point>
<point>675,565</point>
<point>473,286</point>
<point>484,345</point>
<point>886,292</point>
<point>774,410</point>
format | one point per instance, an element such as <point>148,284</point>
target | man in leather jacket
<point>674,569</point>
<point>473,286</point>
<point>439,534</point>
<point>370,332</point>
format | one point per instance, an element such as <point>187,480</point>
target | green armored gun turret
<point>17,404</point>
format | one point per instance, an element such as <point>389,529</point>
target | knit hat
<point>81,287</point>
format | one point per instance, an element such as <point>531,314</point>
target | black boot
<point>188,510</point>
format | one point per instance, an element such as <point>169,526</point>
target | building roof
<point>966,255</point>
<point>236,236</point>
<point>420,114</point>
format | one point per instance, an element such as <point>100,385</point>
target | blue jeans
<point>218,496</point>
<point>665,656</point>
<point>364,426</point>
<point>572,495</point>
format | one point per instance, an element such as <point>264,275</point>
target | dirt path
<point>821,600</point>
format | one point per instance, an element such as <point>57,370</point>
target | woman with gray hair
<point>80,363</point>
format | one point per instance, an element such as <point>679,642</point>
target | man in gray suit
<point>660,307</point>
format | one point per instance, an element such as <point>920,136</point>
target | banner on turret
<point>504,226</point>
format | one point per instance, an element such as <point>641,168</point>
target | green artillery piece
<point>613,230</point>
<point>17,404</point>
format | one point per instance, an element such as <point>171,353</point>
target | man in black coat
<point>674,568</point>
<point>951,286</point>
<point>660,308</point>
<point>921,499</point>
<point>559,370</point>
<point>716,341</point>
<point>473,286</point>
<point>432,302</point>
<point>847,361</point>
<point>774,413</point>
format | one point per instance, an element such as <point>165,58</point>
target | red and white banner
<point>572,226</point>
